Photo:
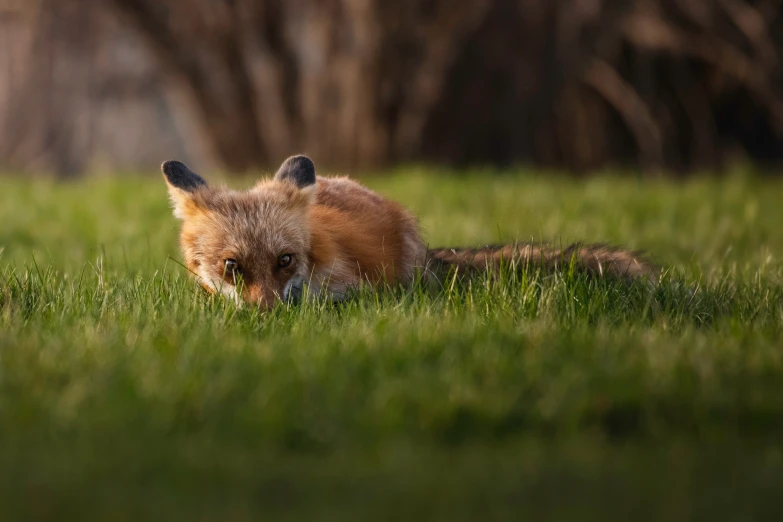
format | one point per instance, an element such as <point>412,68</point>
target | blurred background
<point>579,85</point>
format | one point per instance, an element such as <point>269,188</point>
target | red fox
<point>331,234</point>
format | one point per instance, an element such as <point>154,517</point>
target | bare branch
<point>620,95</point>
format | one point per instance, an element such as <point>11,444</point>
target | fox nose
<point>261,296</point>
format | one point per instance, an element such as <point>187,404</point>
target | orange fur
<point>339,233</point>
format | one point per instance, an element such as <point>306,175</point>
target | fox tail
<point>594,259</point>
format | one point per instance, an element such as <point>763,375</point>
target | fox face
<point>249,245</point>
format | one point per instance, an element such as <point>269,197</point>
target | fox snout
<point>266,297</point>
<point>262,296</point>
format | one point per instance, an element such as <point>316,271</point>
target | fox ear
<point>298,170</point>
<point>182,183</point>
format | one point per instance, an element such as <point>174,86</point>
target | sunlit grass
<point>127,393</point>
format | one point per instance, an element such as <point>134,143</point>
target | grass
<point>126,393</point>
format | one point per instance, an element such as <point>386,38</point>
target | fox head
<point>248,245</point>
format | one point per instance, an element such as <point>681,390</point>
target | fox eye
<point>231,266</point>
<point>285,260</point>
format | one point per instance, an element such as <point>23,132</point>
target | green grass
<point>127,394</point>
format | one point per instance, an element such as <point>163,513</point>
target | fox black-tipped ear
<point>298,170</point>
<point>181,181</point>
<point>178,175</point>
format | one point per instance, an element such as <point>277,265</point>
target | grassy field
<point>127,394</point>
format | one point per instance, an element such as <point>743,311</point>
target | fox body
<point>331,234</point>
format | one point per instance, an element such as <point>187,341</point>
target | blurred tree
<point>576,83</point>
<point>350,81</point>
